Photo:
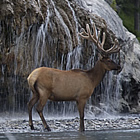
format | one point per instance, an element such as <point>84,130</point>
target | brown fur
<point>59,85</point>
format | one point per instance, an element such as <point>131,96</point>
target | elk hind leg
<point>30,104</point>
<point>39,108</point>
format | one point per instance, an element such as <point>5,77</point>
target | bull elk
<point>73,85</point>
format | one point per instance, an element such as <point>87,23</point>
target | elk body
<point>73,85</point>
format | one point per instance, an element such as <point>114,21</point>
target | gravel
<point>59,125</point>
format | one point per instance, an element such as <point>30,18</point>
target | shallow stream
<point>75,135</point>
<point>101,128</point>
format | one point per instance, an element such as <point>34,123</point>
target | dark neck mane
<point>97,73</point>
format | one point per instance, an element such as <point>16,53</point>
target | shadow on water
<point>87,135</point>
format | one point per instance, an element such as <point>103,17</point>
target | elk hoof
<point>81,130</point>
<point>48,128</point>
<point>32,127</point>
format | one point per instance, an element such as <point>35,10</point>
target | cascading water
<point>41,45</point>
<point>72,61</point>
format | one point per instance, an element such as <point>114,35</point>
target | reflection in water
<point>88,135</point>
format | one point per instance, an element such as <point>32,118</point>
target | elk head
<point>106,61</point>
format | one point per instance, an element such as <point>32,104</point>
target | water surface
<point>73,135</point>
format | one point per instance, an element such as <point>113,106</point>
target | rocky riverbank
<point>59,125</point>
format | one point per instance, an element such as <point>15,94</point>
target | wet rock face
<point>131,96</point>
<point>130,76</point>
<point>22,32</point>
<point>14,11</point>
<point>16,18</point>
<point>35,33</point>
<point>45,33</point>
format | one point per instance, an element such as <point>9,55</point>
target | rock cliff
<point>45,33</point>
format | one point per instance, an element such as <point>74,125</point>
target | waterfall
<point>72,61</point>
<point>54,44</point>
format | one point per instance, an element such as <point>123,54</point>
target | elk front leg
<point>81,106</point>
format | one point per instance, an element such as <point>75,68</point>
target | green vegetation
<point>128,19</point>
<point>126,10</point>
<point>113,5</point>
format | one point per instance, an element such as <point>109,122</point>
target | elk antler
<point>95,39</point>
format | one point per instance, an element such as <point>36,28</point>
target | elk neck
<point>97,73</point>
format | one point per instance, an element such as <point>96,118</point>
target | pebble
<point>11,126</point>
